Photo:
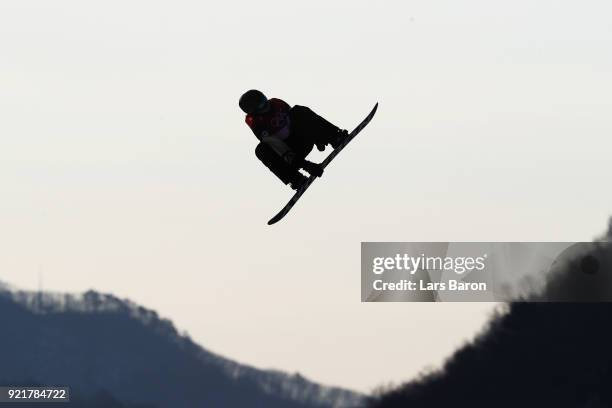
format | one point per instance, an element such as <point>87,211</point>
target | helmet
<point>253,101</point>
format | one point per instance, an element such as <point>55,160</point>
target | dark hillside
<point>532,354</point>
<point>104,347</point>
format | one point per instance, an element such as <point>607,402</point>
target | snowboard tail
<point>281,214</point>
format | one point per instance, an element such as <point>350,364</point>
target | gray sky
<point>125,165</point>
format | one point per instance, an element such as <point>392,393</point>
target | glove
<point>298,182</point>
<point>320,146</point>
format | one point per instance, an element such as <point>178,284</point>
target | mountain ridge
<point>549,348</point>
<point>98,342</point>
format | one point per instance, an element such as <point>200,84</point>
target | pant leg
<point>279,158</point>
<point>311,128</point>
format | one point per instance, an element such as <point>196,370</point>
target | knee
<point>272,149</point>
<point>300,109</point>
<point>264,152</point>
<point>274,152</point>
<point>299,112</point>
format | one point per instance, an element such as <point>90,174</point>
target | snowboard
<point>281,214</point>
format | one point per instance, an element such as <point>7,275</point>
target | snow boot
<point>314,169</point>
<point>339,138</point>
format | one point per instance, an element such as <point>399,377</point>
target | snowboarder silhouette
<point>287,135</point>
